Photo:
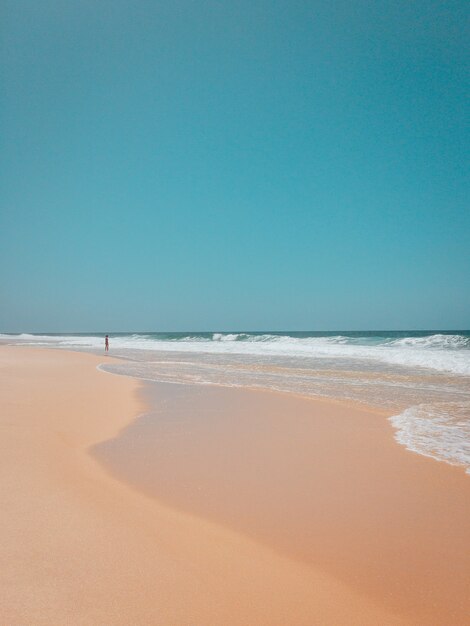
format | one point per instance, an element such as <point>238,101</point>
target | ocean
<point>421,377</point>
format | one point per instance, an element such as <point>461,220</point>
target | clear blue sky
<point>180,165</point>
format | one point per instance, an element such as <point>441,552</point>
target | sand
<point>89,537</point>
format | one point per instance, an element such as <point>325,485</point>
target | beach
<point>129,502</point>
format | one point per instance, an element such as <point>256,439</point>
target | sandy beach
<point>125,503</point>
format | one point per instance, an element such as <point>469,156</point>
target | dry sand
<point>82,542</point>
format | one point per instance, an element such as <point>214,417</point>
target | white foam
<point>444,353</point>
<point>439,341</point>
<point>440,431</point>
<point>66,341</point>
<point>228,336</point>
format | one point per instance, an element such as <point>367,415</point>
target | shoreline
<point>102,551</point>
<point>374,516</point>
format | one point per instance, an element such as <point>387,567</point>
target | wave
<point>439,352</point>
<point>229,336</point>
<point>53,340</point>
<point>430,341</point>
<point>440,431</point>
<point>268,338</point>
<point>438,341</point>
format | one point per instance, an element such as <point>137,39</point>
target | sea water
<point>423,378</point>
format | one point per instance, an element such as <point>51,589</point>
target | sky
<point>243,165</point>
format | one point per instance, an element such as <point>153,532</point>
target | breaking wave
<point>439,352</point>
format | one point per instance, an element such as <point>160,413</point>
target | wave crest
<point>445,342</point>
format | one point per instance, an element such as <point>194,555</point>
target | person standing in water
<point>106,343</point>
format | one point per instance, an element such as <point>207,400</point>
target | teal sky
<point>234,165</point>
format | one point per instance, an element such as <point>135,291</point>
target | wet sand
<point>224,507</point>
<point>320,482</point>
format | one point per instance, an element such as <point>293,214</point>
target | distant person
<point>106,343</point>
